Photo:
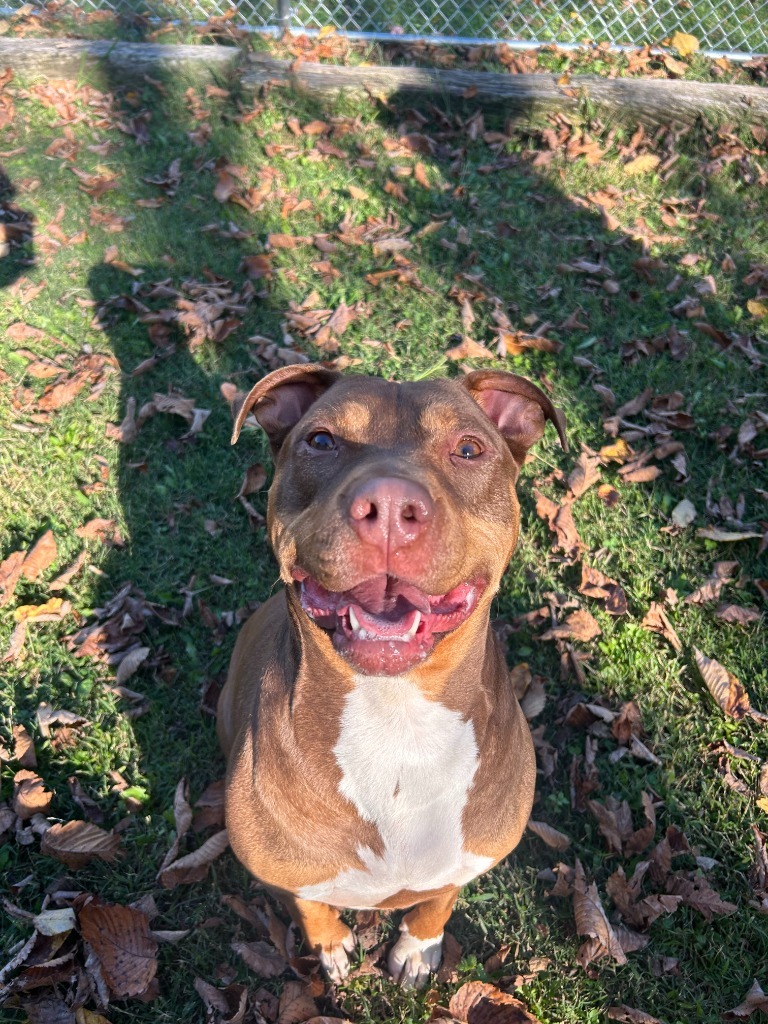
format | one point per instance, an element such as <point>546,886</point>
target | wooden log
<point>653,101</point>
<point>66,58</point>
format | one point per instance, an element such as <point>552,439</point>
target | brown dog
<point>377,756</point>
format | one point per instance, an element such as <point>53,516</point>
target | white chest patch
<point>407,765</point>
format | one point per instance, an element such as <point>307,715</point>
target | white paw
<point>335,958</point>
<point>412,960</point>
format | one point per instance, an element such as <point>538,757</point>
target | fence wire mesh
<point>735,27</point>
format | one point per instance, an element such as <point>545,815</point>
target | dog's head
<point>393,511</point>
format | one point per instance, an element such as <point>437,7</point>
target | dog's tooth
<point>353,620</point>
<point>412,631</point>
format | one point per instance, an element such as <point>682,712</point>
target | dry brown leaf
<point>357,193</point>
<point>736,613</point>
<point>261,957</point>
<point>478,1002</point>
<point>549,835</point>
<point>696,892</point>
<point>16,644</point>
<point>630,1016</point>
<point>591,920</point>
<point>194,866</point>
<point>40,557</point>
<point>635,473</point>
<point>561,522</point>
<point>121,941</point>
<point>10,574</point>
<point>100,529</point>
<point>23,747</point>
<point>755,999</point>
<point>657,621</point>
<point>642,164</point>
<point>30,795</point>
<point>584,474</point>
<point>730,696</point>
<point>130,664</point>
<point>78,842</point>
<point>296,1004</point>
<point>468,348</point>
<point>230,1001</point>
<point>64,578</point>
<point>580,625</point>
<point>726,536</point>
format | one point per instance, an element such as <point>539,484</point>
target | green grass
<point>163,505</point>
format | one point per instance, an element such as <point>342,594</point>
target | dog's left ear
<point>281,398</point>
<point>517,407</point>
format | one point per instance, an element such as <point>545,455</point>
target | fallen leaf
<point>642,164</point>
<point>736,613</point>
<point>129,665</point>
<point>696,892</point>
<point>40,557</point>
<point>261,957</point>
<point>478,1002</point>
<point>469,349</point>
<point>54,608</point>
<point>755,999</point>
<point>730,696</point>
<point>549,835</point>
<point>584,474</point>
<point>684,43</point>
<point>657,621</point>
<point>357,193</point>
<point>23,747</point>
<point>194,866</point>
<point>77,843</point>
<point>591,920</point>
<point>630,1016</point>
<point>580,625</point>
<point>10,574</point>
<point>725,536</point>
<point>296,1004</point>
<point>121,941</point>
<point>684,513</point>
<point>30,795</point>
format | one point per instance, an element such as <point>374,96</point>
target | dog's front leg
<point>325,934</point>
<point>418,950</point>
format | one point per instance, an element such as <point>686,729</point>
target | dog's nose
<point>390,512</point>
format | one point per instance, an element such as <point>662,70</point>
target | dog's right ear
<point>281,398</point>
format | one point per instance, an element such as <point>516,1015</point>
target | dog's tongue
<point>386,598</point>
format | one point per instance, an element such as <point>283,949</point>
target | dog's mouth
<point>385,626</point>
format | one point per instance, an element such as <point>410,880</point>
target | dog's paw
<point>335,958</point>
<point>412,960</point>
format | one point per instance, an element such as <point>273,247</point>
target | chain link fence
<point>734,28</point>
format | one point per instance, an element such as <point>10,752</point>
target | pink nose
<point>390,513</point>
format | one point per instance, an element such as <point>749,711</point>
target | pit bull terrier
<point>377,755</point>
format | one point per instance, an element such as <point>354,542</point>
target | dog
<point>377,755</point>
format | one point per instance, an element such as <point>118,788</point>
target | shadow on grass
<point>16,248</point>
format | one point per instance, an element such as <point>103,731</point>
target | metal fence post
<point>283,14</point>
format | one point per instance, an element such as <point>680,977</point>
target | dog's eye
<point>322,441</point>
<point>468,448</point>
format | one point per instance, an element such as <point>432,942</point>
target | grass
<point>163,491</point>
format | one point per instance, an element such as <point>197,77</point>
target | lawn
<point>168,239</point>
